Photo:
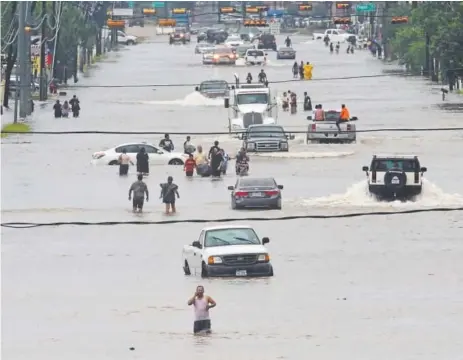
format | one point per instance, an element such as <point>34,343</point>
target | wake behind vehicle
<point>250,104</point>
<point>213,88</point>
<point>227,251</point>
<point>266,138</point>
<point>286,53</point>
<point>255,57</point>
<point>392,177</point>
<point>219,56</point>
<point>326,131</point>
<point>180,35</point>
<point>156,155</point>
<point>256,193</point>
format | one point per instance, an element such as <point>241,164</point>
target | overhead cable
<point>26,225</point>
<point>233,81</point>
<point>80,132</point>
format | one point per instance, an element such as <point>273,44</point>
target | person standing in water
<point>168,192</point>
<point>143,162</point>
<point>202,304</point>
<point>124,161</point>
<point>57,109</point>
<point>139,189</point>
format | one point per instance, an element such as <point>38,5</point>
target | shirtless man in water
<point>202,304</point>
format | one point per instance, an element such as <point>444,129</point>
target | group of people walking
<point>289,100</point>
<point>302,71</point>
<point>62,110</point>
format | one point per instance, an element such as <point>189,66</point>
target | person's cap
<point>170,178</point>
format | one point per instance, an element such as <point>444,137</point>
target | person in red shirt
<point>190,165</point>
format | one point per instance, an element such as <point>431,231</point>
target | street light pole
<point>22,57</point>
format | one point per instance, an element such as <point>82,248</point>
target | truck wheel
<point>186,268</point>
<point>204,273</point>
<point>271,271</point>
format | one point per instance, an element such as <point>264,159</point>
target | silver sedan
<point>256,193</point>
<point>286,53</point>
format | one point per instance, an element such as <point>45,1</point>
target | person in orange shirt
<point>345,116</point>
<point>190,165</point>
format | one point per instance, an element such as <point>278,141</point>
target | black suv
<point>267,41</point>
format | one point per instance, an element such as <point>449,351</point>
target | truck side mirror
<point>231,188</point>
<point>424,169</point>
<point>226,103</point>
<point>309,117</point>
<point>365,168</point>
<point>355,118</point>
<point>196,244</point>
<point>196,88</point>
<point>265,240</point>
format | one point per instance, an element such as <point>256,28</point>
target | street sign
<point>123,12</point>
<point>131,4</point>
<point>366,7</point>
<point>158,4</point>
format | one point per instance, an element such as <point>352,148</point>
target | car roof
<point>225,227</point>
<point>256,179</point>
<point>136,143</point>
<point>392,156</point>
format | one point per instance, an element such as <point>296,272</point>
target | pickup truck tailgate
<point>326,130</point>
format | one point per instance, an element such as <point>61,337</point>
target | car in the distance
<point>123,38</point>
<point>395,177</point>
<point>156,155</point>
<point>241,50</point>
<point>251,192</point>
<point>267,42</point>
<point>179,35</point>
<point>287,53</point>
<point>227,251</point>
<point>326,131</point>
<point>234,41</point>
<point>203,48</point>
<point>255,57</point>
<point>213,88</point>
<point>220,56</point>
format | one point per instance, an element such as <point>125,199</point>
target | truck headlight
<point>263,258</point>
<point>251,146</point>
<point>236,127</point>
<point>284,145</point>
<point>214,260</point>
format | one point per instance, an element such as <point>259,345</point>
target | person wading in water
<point>168,192</point>
<point>202,304</point>
<point>124,161</point>
<point>139,189</point>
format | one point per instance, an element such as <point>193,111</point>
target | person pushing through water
<point>202,303</point>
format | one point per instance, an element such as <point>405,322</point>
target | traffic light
<point>166,22</point>
<point>342,5</point>
<point>115,23</point>
<point>255,23</point>
<point>252,10</point>
<point>305,7</point>
<point>399,20</point>
<point>227,10</point>
<point>342,21</point>
<point>149,11</point>
<point>179,11</point>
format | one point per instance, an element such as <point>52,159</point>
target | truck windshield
<point>401,164</point>
<point>233,236</point>
<point>257,98</point>
<point>214,86</point>
<point>266,132</point>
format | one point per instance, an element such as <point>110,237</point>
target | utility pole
<point>43,39</point>
<point>22,55</point>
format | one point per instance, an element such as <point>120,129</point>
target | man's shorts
<point>138,203</point>
<point>202,326</point>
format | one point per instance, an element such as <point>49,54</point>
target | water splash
<point>193,99</point>
<point>358,196</point>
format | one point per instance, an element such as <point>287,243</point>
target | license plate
<point>241,273</point>
<point>257,194</point>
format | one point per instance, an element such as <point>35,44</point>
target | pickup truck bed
<point>327,132</point>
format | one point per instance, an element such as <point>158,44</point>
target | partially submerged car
<point>256,193</point>
<point>395,177</point>
<point>213,88</point>
<point>227,251</point>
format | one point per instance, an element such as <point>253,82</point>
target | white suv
<point>392,177</point>
<point>255,57</point>
<point>123,38</point>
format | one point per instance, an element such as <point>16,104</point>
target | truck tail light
<point>373,176</point>
<point>417,177</point>
<point>314,127</point>
<point>241,193</point>
<point>349,127</point>
<point>272,193</point>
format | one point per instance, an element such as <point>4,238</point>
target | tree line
<point>432,40</point>
<point>80,24</point>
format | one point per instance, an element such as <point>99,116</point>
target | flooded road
<point>373,287</point>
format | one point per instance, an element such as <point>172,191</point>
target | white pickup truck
<point>326,131</point>
<point>335,35</point>
<point>224,251</point>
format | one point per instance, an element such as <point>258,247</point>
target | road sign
<point>123,12</point>
<point>158,4</point>
<point>131,4</point>
<point>366,7</point>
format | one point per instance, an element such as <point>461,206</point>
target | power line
<point>81,132</point>
<point>26,225</point>
<point>233,81</point>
